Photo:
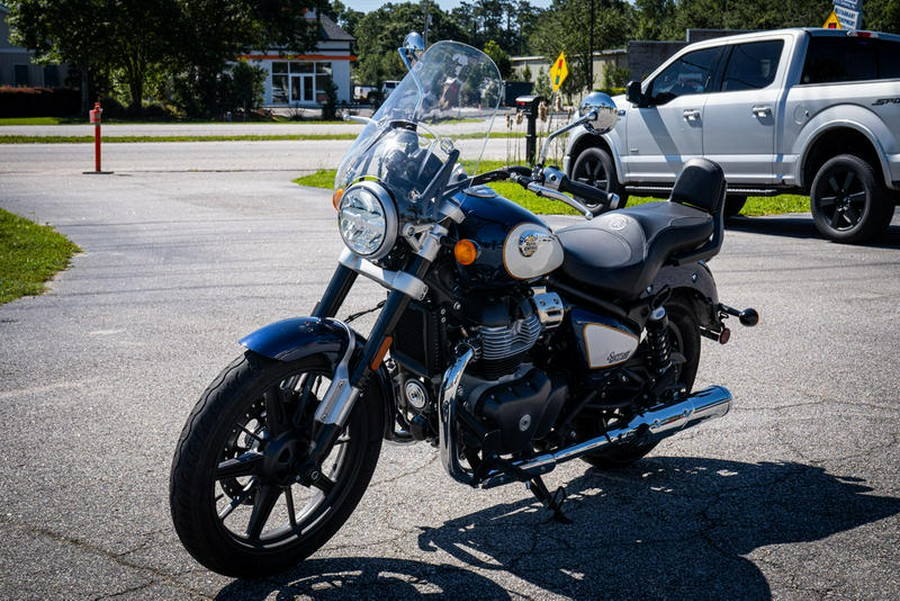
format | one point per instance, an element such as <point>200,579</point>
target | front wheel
<point>849,203</point>
<point>235,498</point>
<point>595,167</point>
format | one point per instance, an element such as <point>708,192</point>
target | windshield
<point>446,103</point>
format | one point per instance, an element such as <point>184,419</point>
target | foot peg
<point>747,317</point>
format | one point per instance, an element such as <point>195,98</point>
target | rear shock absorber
<point>658,340</point>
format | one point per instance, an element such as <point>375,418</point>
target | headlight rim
<point>391,217</point>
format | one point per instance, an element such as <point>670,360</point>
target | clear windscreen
<point>452,93</point>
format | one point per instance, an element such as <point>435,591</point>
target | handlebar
<point>597,200</point>
<point>550,182</point>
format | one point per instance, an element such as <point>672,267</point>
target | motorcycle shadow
<point>668,527</point>
<point>802,226</point>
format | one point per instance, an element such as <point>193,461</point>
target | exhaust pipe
<point>658,423</point>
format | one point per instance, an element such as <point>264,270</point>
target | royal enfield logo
<point>531,242</point>
<point>618,223</point>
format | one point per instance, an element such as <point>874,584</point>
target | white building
<point>297,80</point>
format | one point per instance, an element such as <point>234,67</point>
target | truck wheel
<point>733,205</point>
<point>596,168</point>
<point>848,202</point>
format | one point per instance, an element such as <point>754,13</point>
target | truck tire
<point>595,167</point>
<point>848,202</point>
<point>733,205</point>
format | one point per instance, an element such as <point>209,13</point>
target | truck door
<point>740,120</point>
<point>668,127</point>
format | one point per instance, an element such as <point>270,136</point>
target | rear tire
<point>733,205</point>
<point>235,501</point>
<point>684,338</point>
<point>595,167</point>
<point>849,203</point>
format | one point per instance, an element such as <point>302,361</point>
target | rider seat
<point>622,251</point>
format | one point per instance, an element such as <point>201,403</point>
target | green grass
<point>142,139</point>
<point>756,205</point>
<point>323,178</point>
<point>40,121</point>
<point>30,254</point>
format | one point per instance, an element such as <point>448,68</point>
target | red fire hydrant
<point>95,119</point>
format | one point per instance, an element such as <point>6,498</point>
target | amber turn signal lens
<point>465,252</point>
<point>336,198</point>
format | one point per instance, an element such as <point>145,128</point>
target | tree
<point>213,32</point>
<point>500,58</point>
<point>565,28</point>
<point>882,15</point>
<point>507,22</point>
<point>382,31</point>
<point>193,40</point>
<point>63,32</point>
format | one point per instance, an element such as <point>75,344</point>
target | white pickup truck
<point>815,111</point>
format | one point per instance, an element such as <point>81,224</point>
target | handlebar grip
<point>589,193</point>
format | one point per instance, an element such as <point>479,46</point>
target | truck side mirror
<point>633,93</point>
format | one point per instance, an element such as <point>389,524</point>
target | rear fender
<point>299,337</point>
<point>694,280</point>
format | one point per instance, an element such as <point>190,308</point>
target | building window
<point>22,75</point>
<point>51,76</point>
<point>298,82</point>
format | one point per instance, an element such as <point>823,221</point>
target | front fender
<point>298,337</point>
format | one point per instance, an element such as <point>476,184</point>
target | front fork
<point>350,376</point>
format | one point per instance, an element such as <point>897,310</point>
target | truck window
<point>690,74</point>
<point>752,66</point>
<point>836,59</point>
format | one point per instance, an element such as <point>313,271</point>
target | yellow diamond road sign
<point>559,71</point>
<point>832,22</point>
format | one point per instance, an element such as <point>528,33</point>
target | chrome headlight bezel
<point>367,220</point>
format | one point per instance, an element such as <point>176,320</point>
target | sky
<point>446,5</point>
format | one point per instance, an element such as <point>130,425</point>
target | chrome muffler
<point>657,423</point>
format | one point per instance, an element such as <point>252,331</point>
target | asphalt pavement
<point>793,495</point>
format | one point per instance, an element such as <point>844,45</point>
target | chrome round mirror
<point>413,47</point>
<point>601,112</point>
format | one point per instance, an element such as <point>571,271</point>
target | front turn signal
<point>336,198</point>
<point>465,252</point>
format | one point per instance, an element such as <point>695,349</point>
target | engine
<point>515,399</point>
<point>508,330</point>
<point>508,395</point>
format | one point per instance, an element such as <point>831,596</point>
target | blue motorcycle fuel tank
<point>513,244</point>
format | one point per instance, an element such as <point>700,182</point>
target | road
<point>795,494</point>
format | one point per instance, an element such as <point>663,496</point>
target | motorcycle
<point>509,346</point>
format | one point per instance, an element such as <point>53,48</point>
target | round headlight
<point>367,219</point>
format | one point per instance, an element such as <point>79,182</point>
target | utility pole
<point>427,20</point>
<point>591,51</point>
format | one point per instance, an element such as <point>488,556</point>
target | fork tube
<point>338,288</point>
<point>387,321</point>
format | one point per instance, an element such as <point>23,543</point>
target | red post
<point>95,119</point>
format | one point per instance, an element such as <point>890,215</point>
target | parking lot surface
<point>793,495</point>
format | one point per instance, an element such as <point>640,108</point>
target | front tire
<point>234,496</point>
<point>684,338</point>
<point>595,167</point>
<point>849,203</point>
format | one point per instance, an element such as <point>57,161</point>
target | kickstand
<point>552,502</point>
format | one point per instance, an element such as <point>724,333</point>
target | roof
<point>331,32</point>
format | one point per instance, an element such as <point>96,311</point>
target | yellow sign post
<point>832,22</point>
<point>559,71</point>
